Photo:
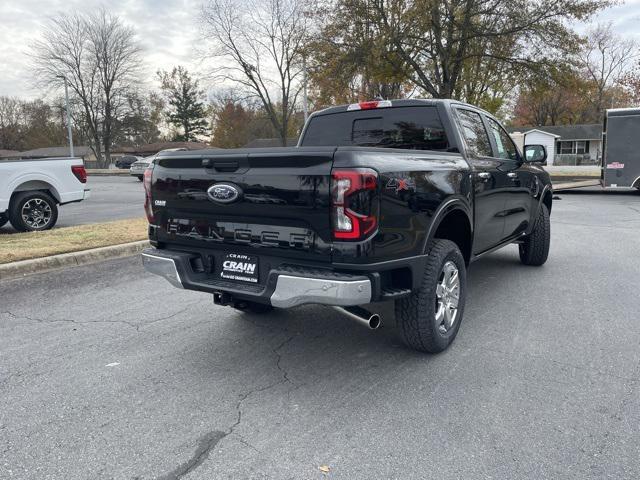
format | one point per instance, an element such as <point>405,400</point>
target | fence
<point>575,159</point>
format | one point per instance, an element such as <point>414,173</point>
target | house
<point>567,145</point>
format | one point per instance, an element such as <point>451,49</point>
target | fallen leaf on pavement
<point>324,469</point>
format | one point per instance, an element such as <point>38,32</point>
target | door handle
<point>512,175</point>
<point>484,175</point>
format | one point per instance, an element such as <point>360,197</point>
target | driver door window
<point>506,149</point>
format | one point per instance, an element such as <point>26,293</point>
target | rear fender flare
<point>448,206</point>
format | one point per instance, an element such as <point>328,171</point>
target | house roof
<point>270,142</point>
<point>78,151</point>
<point>541,131</point>
<point>153,148</point>
<point>591,131</point>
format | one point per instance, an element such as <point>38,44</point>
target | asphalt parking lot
<point>112,198</point>
<point>107,372</point>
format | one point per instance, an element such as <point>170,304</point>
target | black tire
<point>140,177</point>
<point>534,250</point>
<point>3,219</point>
<point>416,315</point>
<point>252,307</point>
<point>40,199</point>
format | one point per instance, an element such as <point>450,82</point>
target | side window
<point>506,148</point>
<point>474,133</point>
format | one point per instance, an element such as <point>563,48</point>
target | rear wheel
<point>534,250</point>
<point>430,317</point>
<point>3,219</point>
<point>33,211</point>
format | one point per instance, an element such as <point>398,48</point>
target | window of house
<point>475,134</point>
<point>573,147</point>
<point>566,147</point>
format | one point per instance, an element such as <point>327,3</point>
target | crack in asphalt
<point>206,443</point>
<point>65,320</point>
<point>276,351</point>
<point>213,438</point>
<point>137,326</point>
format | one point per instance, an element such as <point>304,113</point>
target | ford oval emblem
<point>223,193</point>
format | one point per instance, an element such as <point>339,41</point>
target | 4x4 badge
<point>401,184</point>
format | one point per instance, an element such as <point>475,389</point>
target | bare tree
<point>606,58</point>
<point>260,45</point>
<point>99,57</point>
<point>10,119</point>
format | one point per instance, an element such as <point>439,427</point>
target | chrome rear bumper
<point>289,291</point>
<point>162,266</point>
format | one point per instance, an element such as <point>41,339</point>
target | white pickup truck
<point>31,190</point>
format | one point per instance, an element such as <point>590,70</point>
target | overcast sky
<point>167,30</point>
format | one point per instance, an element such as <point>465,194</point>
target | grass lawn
<point>23,246</point>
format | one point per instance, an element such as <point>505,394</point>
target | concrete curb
<point>73,259</point>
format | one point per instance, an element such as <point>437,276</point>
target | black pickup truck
<point>382,201</point>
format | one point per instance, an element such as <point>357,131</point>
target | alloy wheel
<point>447,297</point>
<point>36,213</point>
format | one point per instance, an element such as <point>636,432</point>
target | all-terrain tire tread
<point>534,250</point>
<point>413,313</point>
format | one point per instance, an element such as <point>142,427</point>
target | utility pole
<point>305,101</point>
<point>69,130</point>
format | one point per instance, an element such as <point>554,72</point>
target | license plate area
<point>240,268</point>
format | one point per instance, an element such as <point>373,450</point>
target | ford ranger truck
<point>382,201</point>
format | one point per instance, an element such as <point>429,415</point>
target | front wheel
<point>534,250</point>
<point>33,211</point>
<point>430,317</point>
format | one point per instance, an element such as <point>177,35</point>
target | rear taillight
<point>147,193</point>
<point>79,172</point>
<point>353,203</point>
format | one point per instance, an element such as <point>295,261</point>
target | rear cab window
<point>415,128</point>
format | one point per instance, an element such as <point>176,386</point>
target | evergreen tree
<point>186,110</point>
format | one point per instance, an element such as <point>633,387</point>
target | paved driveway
<point>112,198</point>
<point>106,372</point>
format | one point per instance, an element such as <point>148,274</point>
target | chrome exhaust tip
<point>371,320</point>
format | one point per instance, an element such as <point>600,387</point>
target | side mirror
<point>535,154</point>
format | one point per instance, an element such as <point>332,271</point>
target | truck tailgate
<point>282,207</point>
